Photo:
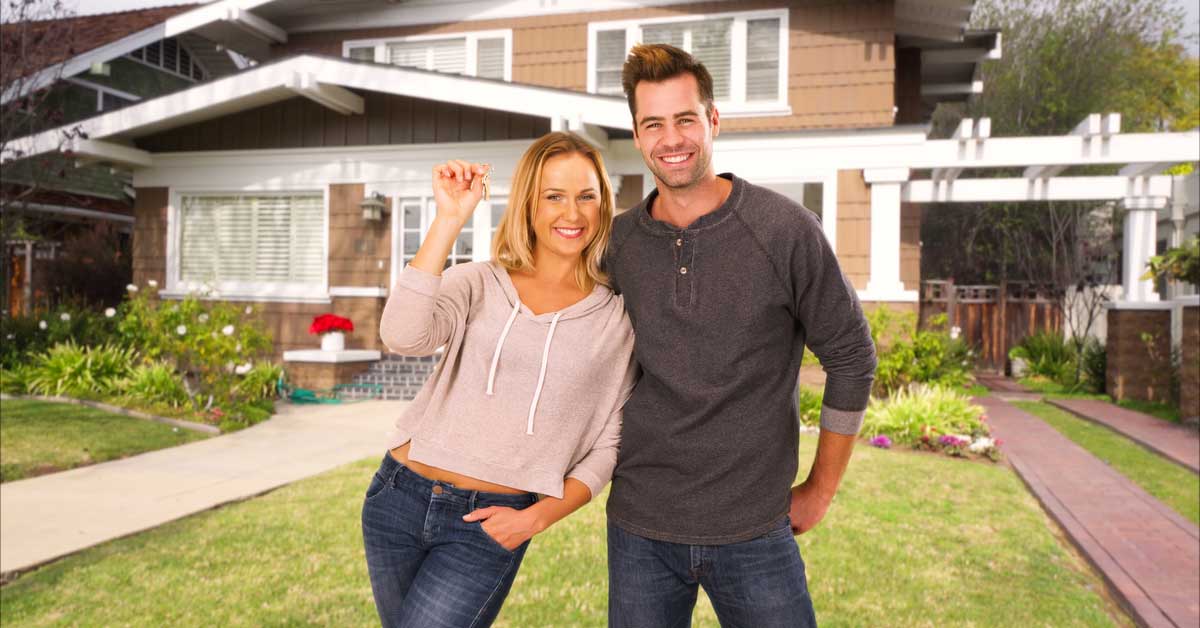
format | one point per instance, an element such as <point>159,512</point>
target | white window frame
<point>205,74</point>
<point>472,43</point>
<point>481,227</point>
<point>101,90</point>
<point>244,291</point>
<point>736,106</point>
<point>829,197</point>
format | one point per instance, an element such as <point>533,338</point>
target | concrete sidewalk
<point>1178,443</point>
<point>47,517</point>
<point>1147,553</point>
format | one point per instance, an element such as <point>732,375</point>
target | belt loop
<point>393,481</point>
<point>471,501</point>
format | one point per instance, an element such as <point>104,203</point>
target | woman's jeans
<point>428,567</point>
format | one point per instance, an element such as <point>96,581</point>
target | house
<point>79,68</point>
<point>254,183</point>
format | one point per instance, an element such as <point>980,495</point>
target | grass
<point>1054,389</point>
<point>38,437</point>
<point>1161,410</point>
<point>1173,485</point>
<point>912,540</point>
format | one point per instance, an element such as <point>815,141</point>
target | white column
<point>1141,234</point>
<point>884,283</point>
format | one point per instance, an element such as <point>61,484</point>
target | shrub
<point>919,415</point>
<point>13,380</point>
<point>929,355</point>
<point>260,382</point>
<point>1094,363</point>
<point>77,371</point>
<point>810,406</point>
<point>245,414</point>
<point>155,382</point>
<point>1051,356</point>
<point>27,336</point>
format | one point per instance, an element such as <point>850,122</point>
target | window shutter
<point>610,56</point>
<point>253,239</point>
<point>762,59</point>
<point>450,56</point>
<point>711,45</point>
<point>410,54</point>
<point>490,58</point>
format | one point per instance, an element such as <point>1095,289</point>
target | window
<point>252,243</point>
<point>484,54</point>
<point>746,53</point>
<point>473,243</point>
<point>170,55</point>
<point>107,98</point>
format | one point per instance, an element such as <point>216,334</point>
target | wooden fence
<point>993,318</point>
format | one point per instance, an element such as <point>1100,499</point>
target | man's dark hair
<point>659,62</point>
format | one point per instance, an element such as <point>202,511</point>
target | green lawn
<point>37,437</point>
<point>912,540</point>
<point>1175,486</point>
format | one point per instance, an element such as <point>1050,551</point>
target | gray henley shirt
<point>722,311</point>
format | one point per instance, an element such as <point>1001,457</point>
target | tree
<point>35,41</point>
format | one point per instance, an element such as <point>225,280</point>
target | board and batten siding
<point>841,64</point>
<point>386,120</point>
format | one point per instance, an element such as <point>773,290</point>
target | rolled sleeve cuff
<point>841,421</point>
<point>594,483</point>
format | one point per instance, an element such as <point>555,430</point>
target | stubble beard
<point>685,179</point>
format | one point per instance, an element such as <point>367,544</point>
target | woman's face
<point>567,216</point>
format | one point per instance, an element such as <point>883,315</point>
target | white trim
<point>471,42</point>
<point>271,83</point>
<point>413,12</point>
<point>1140,305</point>
<point>102,88</point>
<point>357,291</point>
<point>903,296</point>
<point>297,297</point>
<point>75,211</point>
<point>243,291</point>
<point>736,105</point>
<point>332,357</point>
<point>1037,189</point>
<point>99,150</point>
<point>255,26</point>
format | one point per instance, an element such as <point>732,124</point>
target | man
<point>725,282</point>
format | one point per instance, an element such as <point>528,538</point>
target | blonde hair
<point>513,243</point>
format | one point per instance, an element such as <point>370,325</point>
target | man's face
<point>673,130</point>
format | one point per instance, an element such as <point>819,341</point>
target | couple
<point>537,402</point>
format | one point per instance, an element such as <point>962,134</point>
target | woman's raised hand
<point>457,188</point>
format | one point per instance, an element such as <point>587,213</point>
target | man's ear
<point>715,119</point>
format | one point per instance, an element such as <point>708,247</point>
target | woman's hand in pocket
<point>507,526</point>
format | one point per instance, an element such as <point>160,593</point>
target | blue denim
<point>428,567</point>
<point>758,583</point>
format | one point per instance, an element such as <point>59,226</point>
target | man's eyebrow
<point>681,114</point>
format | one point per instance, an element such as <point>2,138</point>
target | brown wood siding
<point>386,119</point>
<point>360,251</point>
<point>910,245</point>
<point>854,227</point>
<point>841,64</point>
<point>150,236</point>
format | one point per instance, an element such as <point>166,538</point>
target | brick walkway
<point>999,383</point>
<point>1177,443</point>
<point>1148,554</point>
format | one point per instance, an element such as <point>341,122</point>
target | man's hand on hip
<point>808,507</point>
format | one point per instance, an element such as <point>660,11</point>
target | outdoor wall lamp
<point>374,206</point>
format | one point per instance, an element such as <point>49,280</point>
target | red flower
<point>326,323</point>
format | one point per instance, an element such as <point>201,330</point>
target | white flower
<point>10,336</point>
<point>42,325</point>
<point>229,366</point>
<point>227,330</point>
<point>152,283</point>
<point>64,316</point>
<point>243,369</point>
<point>203,318</point>
<point>238,347</point>
<point>216,294</point>
<point>981,445</point>
<point>249,309</point>
<point>955,332</point>
<point>110,312</point>
<point>131,288</point>
<point>181,330</point>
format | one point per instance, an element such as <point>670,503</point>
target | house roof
<point>326,80</point>
<point>75,35</point>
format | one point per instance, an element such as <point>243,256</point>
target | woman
<point>518,426</point>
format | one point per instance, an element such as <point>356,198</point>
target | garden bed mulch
<point>187,425</point>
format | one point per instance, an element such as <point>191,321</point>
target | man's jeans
<point>758,583</point>
<point>428,567</point>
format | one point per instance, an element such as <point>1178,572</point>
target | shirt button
<point>437,489</point>
<point>683,270</point>
<point>679,242</point>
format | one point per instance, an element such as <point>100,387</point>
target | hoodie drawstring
<point>542,375</point>
<point>500,345</point>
